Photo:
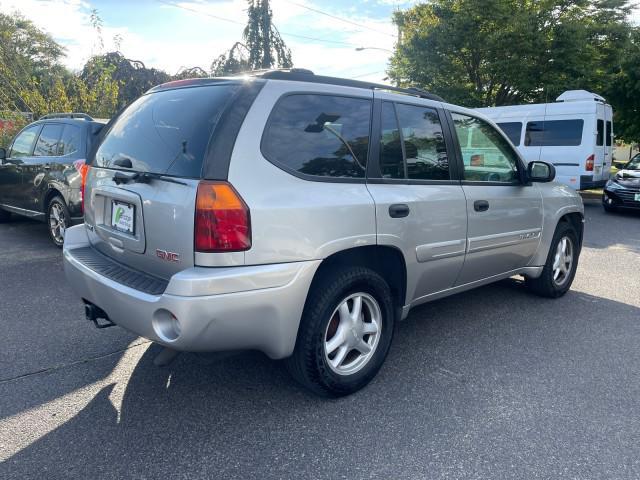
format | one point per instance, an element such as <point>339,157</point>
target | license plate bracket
<point>123,217</point>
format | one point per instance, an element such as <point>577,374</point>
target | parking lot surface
<point>492,383</point>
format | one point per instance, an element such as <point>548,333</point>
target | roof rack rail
<point>304,75</point>
<point>82,116</point>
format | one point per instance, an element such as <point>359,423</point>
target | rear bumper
<point>587,182</point>
<point>234,308</point>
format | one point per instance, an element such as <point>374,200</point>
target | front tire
<point>608,208</point>
<point>561,265</point>
<point>57,219</point>
<point>345,332</point>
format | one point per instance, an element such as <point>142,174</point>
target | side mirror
<point>3,154</point>
<point>539,171</point>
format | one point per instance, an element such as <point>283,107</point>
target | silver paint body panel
<point>254,299</point>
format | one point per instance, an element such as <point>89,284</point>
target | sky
<point>175,34</point>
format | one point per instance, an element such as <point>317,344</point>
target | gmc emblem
<point>167,256</point>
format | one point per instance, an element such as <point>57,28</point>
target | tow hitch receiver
<point>95,313</point>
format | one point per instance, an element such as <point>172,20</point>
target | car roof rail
<point>80,116</point>
<point>304,75</point>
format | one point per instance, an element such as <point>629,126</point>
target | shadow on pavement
<point>489,382</point>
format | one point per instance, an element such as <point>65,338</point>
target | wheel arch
<point>48,196</point>
<point>385,260</point>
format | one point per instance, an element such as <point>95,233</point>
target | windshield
<point>634,163</point>
<point>166,132</point>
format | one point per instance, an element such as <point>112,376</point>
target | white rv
<point>575,134</point>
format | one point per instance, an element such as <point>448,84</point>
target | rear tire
<point>345,332</point>
<point>4,216</point>
<point>561,265</point>
<point>57,219</point>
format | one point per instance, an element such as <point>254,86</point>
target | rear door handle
<point>481,205</point>
<point>399,210</point>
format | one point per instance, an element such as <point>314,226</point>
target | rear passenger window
<point>513,130</point>
<point>319,135</point>
<point>47,145</point>
<point>554,133</point>
<point>424,147</point>
<point>609,134</point>
<point>600,135</point>
<point>70,140</point>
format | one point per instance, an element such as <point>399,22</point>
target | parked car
<point>575,133</point>
<point>304,216</point>
<point>41,172</point>
<point>623,190</point>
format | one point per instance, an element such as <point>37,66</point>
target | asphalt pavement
<point>493,383</point>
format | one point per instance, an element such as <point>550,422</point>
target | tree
<point>500,52</point>
<point>132,76</point>
<point>624,93</point>
<point>263,46</point>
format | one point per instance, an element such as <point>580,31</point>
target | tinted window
<point>513,130</point>
<point>554,133</point>
<point>70,140</point>
<point>47,145</point>
<point>609,134</point>
<point>166,131</point>
<point>391,159</point>
<point>319,135</point>
<point>24,142</point>
<point>600,135</point>
<point>424,147</point>
<point>486,155</point>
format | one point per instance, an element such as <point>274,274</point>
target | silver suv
<point>304,216</point>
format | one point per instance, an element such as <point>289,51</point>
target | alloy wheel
<point>353,333</point>
<point>563,261</point>
<point>57,222</point>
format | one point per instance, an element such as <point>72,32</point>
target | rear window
<point>319,135</point>
<point>554,133</point>
<point>512,130</point>
<point>600,133</point>
<point>166,132</point>
<point>609,134</point>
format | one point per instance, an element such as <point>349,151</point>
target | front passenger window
<point>24,142</point>
<point>486,155</point>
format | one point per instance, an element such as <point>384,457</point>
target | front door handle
<point>399,210</point>
<point>481,205</point>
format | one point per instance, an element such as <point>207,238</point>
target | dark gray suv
<point>41,172</point>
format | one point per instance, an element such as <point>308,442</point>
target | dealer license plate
<point>123,217</point>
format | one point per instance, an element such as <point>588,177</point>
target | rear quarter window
<point>168,131</point>
<point>319,135</point>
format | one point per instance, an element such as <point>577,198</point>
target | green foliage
<point>132,77</point>
<point>263,46</point>
<point>624,93</point>
<point>500,52</point>
<point>10,124</point>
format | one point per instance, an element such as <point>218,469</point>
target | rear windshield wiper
<point>143,177</point>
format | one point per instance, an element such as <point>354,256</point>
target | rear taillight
<point>590,161</point>
<point>83,169</point>
<point>222,219</point>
